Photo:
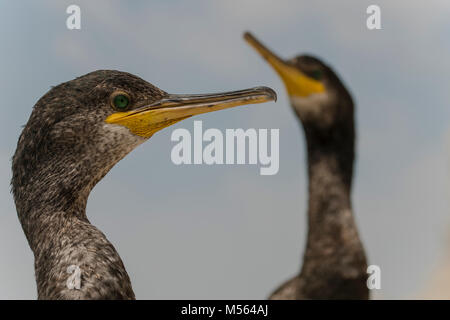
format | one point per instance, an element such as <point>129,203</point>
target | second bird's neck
<point>329,203</point>
<point>334,263</point>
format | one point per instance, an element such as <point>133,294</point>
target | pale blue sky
<point>225,231</point>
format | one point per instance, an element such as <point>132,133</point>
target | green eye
<point>316,74</point>
<point>121,101</point>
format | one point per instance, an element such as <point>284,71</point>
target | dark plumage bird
<point>76,133</point>
<point>334,264</point>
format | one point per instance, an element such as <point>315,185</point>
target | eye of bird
<point>316,74</point>
<point>120,101</point>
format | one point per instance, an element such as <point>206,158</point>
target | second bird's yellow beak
<point>297,83</point>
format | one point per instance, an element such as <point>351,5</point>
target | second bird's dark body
<point>334,262</point>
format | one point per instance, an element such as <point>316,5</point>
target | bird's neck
<point>68,249</point>
<point>52,191</point>
<point>334,260</point>
<point>52,210</point>
<point>330,169</point>
<point>50,201</point>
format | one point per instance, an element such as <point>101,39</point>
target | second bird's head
<point>317,95</point>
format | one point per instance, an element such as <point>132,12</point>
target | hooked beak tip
<point>270,93</point>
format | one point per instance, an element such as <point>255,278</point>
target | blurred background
<point>222,232</point>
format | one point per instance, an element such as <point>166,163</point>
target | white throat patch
<point>310,105</point>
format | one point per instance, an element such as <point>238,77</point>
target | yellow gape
<point>297,83</point>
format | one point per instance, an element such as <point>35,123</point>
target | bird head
<point>315,91</point>
<point>81,128</point>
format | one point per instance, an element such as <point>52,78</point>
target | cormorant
<point>334,264</point>
<point>76,133</point>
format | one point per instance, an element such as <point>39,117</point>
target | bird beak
<point>297,83</point>
<point>148,119</point>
